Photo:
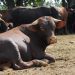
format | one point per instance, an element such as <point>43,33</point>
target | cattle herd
<point>26,32</point>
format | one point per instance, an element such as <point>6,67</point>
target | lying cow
<point>21,15</point>
<point>24,46</point>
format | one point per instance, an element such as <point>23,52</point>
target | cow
<point>71,21</point>
<point>22,15</point>
<point>62,26</point>
<point>4,26</point>
<point>24,46</point>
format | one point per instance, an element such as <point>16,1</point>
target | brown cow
<point>62,25</point>
<point>24,46</point>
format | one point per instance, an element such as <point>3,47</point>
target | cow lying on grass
<point>24,46</point>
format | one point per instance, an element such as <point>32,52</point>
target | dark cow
<point>62,26</point>
<point>21,15</point>
<point>3,26</point>
<point>24,46</point>
<point>71,19</point>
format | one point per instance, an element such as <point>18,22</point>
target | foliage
<point>53,3</point>
<point>2,6</point>
<point>33,3</point>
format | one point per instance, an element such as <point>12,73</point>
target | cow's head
<point>44,27</point>
<point>3,26</point>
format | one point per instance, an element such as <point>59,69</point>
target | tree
<point>10,3</point>
<point>64,3</point>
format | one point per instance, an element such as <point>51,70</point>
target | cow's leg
<point>49,57</point>
<point>22,65</point>
<point>18,62</point>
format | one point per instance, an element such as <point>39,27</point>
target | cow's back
<point>14,34</point>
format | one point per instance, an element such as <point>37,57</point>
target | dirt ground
<point>63,52</point>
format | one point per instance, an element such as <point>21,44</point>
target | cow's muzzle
<point>52,40</point>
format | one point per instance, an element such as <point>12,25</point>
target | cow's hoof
<point>39,63</point>
<point>51,60</point>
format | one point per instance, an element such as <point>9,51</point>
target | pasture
<point>64,53</point>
